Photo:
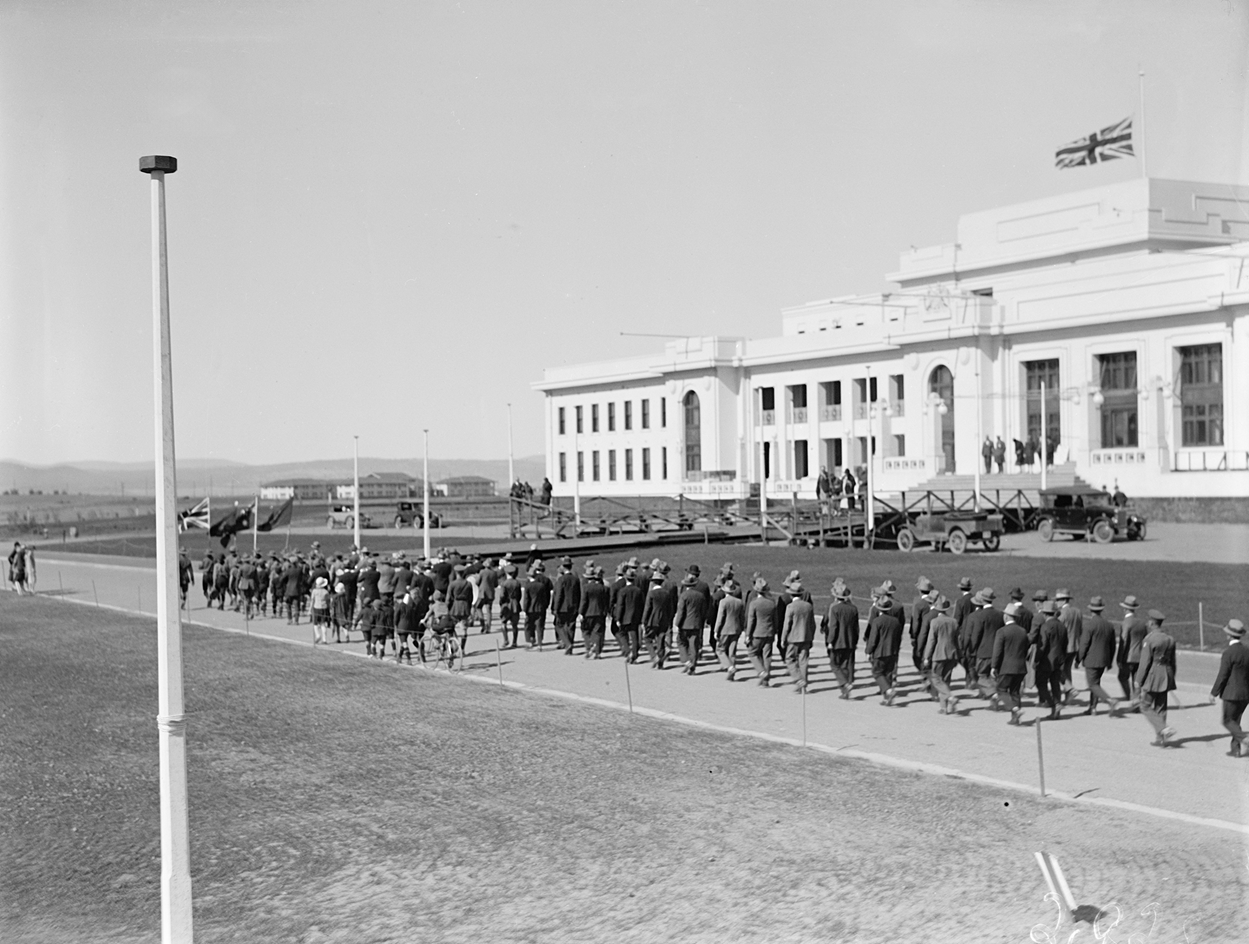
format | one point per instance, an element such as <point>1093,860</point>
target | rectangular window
<point>594,467</point>
<point>1118,409</point>
<point>663,412</point>
<point>801,470</point>
<point>663,458</point>
<point>611,417</point>
<point>897,388</point>
<point>611,465</point>
<point>832,454</point>
<point>831,391</point>
<point>768,397</point>
<point>646,461</point>
<point>871,389</point>
<point>1037,373</point>
<point>580,466</point>
<point>646,414</point>
<point>628,417</point>
<point>628,465</point>
<point>798,396</point>
<point>899,445</point>
<point>1201,395</point>
<point>563,467</point>
<point>594,417</point>
<point>561,421</point>
<point>580,427</point>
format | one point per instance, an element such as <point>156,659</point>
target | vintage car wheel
<point>350,522</point>
<point>329,522</point>
<point>993,542</point>
<point>906,540</point>
<point>1046,529</point>
<point>398,521</point>
<point>957,541</point>
<point>1139,532</point>
<point>1103,533</point>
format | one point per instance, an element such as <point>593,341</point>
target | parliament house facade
<point>1118,317</point>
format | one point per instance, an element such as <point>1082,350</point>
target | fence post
<point>95,594</point>
<point>1201,626</point>
<point>498,654</point>
<point>628,684</point>
<point>1040,756</point>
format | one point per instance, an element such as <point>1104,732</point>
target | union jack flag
<point>196,517</point>
<point>1104,145</point>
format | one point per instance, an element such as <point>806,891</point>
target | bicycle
<point>442,646</point>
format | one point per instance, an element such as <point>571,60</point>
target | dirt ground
<point>336,800</point>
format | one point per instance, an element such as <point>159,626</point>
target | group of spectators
<point>22,572</point>
<point>525,491</point>
<point>1027,453</point>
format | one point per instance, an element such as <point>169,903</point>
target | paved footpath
<point>1097,760</point>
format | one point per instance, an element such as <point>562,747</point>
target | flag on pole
<point>235,520</point>
<point>1105,145</point>
<point>194,517</point>
<point>278,516</point>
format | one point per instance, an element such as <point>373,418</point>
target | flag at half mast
<point>1104,145</point>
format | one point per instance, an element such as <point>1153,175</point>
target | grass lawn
<point>334,799</point>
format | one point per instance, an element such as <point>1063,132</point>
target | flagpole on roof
<point>1144,172</point>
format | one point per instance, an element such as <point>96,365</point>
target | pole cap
<point>158,162</point>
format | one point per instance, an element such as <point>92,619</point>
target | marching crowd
<point>1037,641</point>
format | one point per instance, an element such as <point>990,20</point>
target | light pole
<point>175,847</point>
<point>355,492</point>
<point>511,467</point>
<point>425,490</point>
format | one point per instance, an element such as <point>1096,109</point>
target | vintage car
<point>1086,512</point>
<point>953,529</point>
<point>344,516</point>
<point>408,513</point>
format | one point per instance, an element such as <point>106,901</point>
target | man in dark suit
<point>535,600</point>
<point>978,634</point>
<point>963,607</point>
<point>656,621</point>
<point>1232,684</point>
<point>691,615</point>
<point>882,644</point>
<point>841,636</point>
<point>1097,654</point>
<point>761,629</point>
<point>1156,676</point>
<point>595,604</point>
<point>565,603</point>
<point>1050,642</point>
<point>1131,635</point>
<point>919,607</point>
<point>1010,660</point>
<point>627,616</point>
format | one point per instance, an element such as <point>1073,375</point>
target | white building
<point>1130,303</point>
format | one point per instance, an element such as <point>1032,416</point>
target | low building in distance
<point>1118,317</point>
<point>466,486</point>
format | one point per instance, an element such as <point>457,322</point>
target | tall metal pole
<point>511,466</point>
<point>425,489</point>
<point>175,847</point>
<point>576,481</point>
<point>979,420</point>
<point>1044,437</point>
<point>355,492</point>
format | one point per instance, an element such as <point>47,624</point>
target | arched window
<point>693,434</point>
<point>941,382</point>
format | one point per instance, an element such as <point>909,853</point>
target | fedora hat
<point>1062,594</point>
<point>1017,593</point>
<point>987,595</point>
<point>941,604</point>
<point>693,569</point>
<point>1096,604</point>
<point>1235,628</point>
<point>965,583</point>
<point>1130,602</point>
<point>923,585</point>
<point>1048,607</point>
<point>1039,596</point>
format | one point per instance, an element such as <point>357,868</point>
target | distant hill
<point>197,476</point>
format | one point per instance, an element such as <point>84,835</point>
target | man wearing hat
<point>627,615</point>
<point>1097,654</point>
<point>595,605</point>
<point>1131,634</point>
<point>656,621</point>
<point>919,609</point>
<point>1073,622</point>
<point>1156,676</point>
<point>1010,660</point>
<point>536,594</point>
<point>761,629</point>
<point>923,666</point>
<point>509,593</point>
<point>940,653</point>
<point>797,634</point>
<point>1050,647</point>
<point>978,635</point>
<point>882,644</point>
<point>841,636</point>
<point>691,616</point>
<point>565,602</point>
<point>1232,684</point>
<point>730,624</point>
<point>964,606</point>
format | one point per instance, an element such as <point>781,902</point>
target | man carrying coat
<point>1232,684</point>
<point>1156,676</point>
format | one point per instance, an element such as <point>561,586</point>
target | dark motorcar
<point>1085,511</point>
<point>409,514</point>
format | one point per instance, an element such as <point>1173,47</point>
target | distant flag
<point>278,516</point>
<point>195,517</point>
<point>1104,145</point>
<point>235,520</point>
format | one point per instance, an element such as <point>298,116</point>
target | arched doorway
<point>693,435</point>
<point>941,382</point>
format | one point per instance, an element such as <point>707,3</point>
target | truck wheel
<point>1103,533</point>
<point>957,541</point>
<point>906,540</point>
<point>993,542</point>
<point>1046,529</point>
<point>398,521</point>
<point>329,522</point>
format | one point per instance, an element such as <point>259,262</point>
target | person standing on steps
<point>986,453</point>
<point>999,455</point>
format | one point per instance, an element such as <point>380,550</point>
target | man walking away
<point>690,618</point>
<point>1069,616</point>
<point>760,630</point>
<point>1156,676</point>
<point>941,653</point>
<point>536,599</point>
<point>630,604</point>
<point>1131,635</point>
<point>797,634</point>
<point>884,639</point>
<point>655,621</point>
<point>509,606</point>
<point>730,624</point>
<point>565,603</point>
<point>841,636</point>
<point>1232,684</point>
<point>1010,661</point>
<point>595,603</point>
<point>1097,653</point>
<point>1051,652</point>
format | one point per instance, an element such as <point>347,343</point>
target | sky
<point>391,216</point>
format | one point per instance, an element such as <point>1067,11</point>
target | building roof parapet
<point>680,354</point>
